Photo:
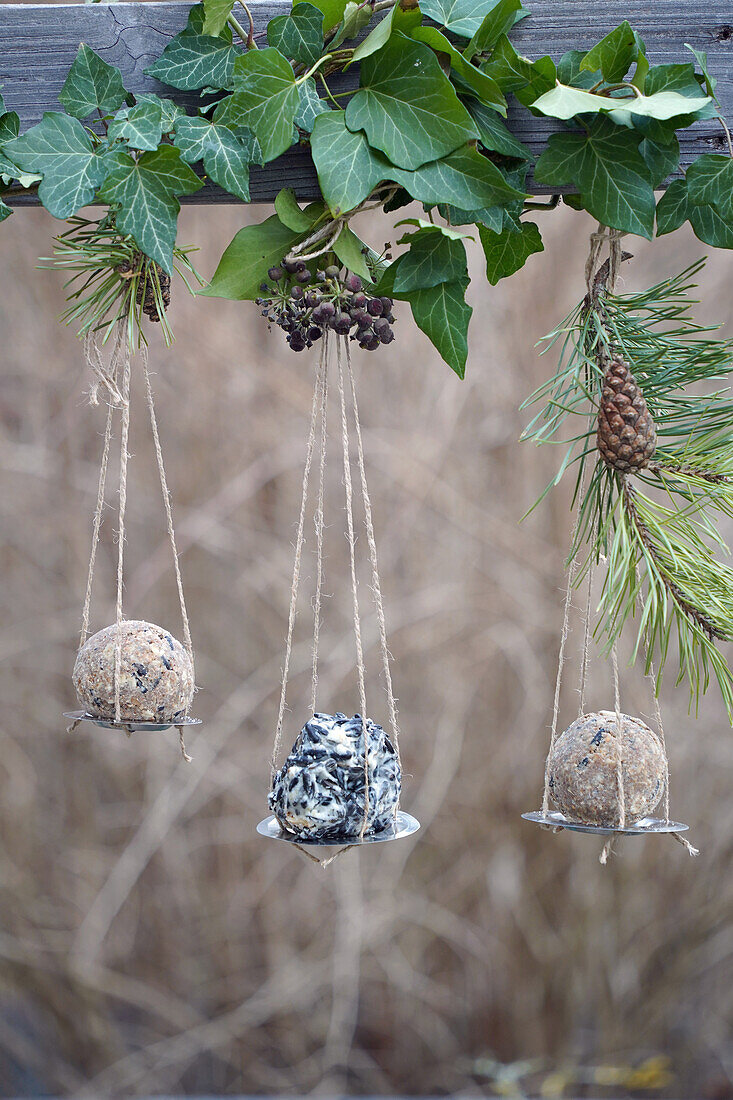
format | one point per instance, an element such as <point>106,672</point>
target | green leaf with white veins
<point>710,181</point>
<point>311,105</point>
<point>290,214</point>
<point>710,227</point>
<point>486,89</point>
<point>333,11</point>
<point>564,102</point>
<point>493,134</point>
<point>613,54</point>
<point>463,17</point>
<point>497,22</point>
<point>299,34</point>
<point>246,260</point>
<point>356,18</point>
<point>434,257</point>
<point>140,126</point>
<point>226,155</point>
<point>509,250</point>
<point>610,173</point>
<point>464,179</point>
<point>265,100</point>
<point>407,106</point>
<point>145,192</point>
<point>193,61</point>
<point>216,13</point>
<point>443,315</point>
<point>92,85</point>
<point>396,19</point>
<point>5,211</point>
<point>673,208</point>
<point>60,149</point>
<point>348,168</point>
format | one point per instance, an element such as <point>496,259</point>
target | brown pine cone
<point>627,438</point>
<point>145,295</point>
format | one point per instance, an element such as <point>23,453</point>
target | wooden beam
<point>38,43</point>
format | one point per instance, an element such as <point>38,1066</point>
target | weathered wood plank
<point>38,43</point>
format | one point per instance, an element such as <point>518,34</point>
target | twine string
<point>319,525</point>
<point>124,435</point>
<point>277,740</point>
<point>376,586</point>
<point>166,501</point>
<point>354,583</point>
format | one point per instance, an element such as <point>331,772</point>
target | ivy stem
<point>328,91</point>
<point>314,68</point>
<point>724,124</point>
<point>554,201</point>
<point>247,37</point>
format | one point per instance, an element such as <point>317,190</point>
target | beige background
<point>151,942</point>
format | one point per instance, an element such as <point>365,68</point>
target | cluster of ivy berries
<point>305,307</point>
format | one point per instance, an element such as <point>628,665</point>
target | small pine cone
<point>627,438</point>
<point>146,293</point>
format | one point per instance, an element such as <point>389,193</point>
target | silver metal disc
<point>404,825</point>
<point>641,827</point>
<point>131,727</point>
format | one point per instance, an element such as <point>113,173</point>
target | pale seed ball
<point>156,676</point>
<point>583,769</point>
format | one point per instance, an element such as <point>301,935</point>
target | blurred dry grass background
<point>150,941</point>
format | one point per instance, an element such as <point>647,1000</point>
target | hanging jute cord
<point>318,435</point>
<point>115,381</point>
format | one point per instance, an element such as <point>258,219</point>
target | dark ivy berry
<point>303,275</point>
<point>373,344</point>
<point>380,324</point>
<point>375,307</point>
<point>353,282</point>
<point>297,293</point>
<point>275,273</point>
<point>341,323</point>
<point>359,300</point>
<point>297,341</point>
<point>264,286</point>
<point>387,304</point>
<point>291,266</point>
<point>320,276</point>
<point>328,309</point>
<point>386,336</point>
<point>361,317</point>
<point>332,272</point>
<point>314,333</point>
<point>312,298</point>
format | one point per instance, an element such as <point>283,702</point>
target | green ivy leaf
<point>673,78</point>
<point>145,192</point>
<point>226,154</point>
<point>61,151</point>
<point>140,126</point>
<point>569,71</point>
<point>609,171</point>
<point>661,160</point>
<point>396,19</point>
<point>356,18</point>
<point>564,102</point>
<point>464,178</point>
<point>192,61</point>
<point>9,130</point>
<point>508,251</point>
<point>497,22</point>
<point>310,107</point>
<point>711,227</point>
<point>246,260</point>
<point>443,315</point>
<point>462,17</point>
<point>710,181</point>
<point>434,257</point>
<point>702,60</point>
<point>514,73</point>
<point>614,54</point>
<point>5,211</point>
<point>3,108</point>
<point>91,85</point>
<point>290,214</point>
<point>490,216</point>
<point>170,113</point>
<point>673,208</point>
<point>486,89</point>
<point>348,168</point>
<point>350,251</point>
<point>298,35</point>
<point>265,100</point>
<point>333,11</point>
<point>216,13</point>
<point>407,106</point>
<point>493,134</point>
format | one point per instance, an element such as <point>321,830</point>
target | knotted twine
<point>594,274</point>
<point>318,417</point>
<point>114,380</point>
